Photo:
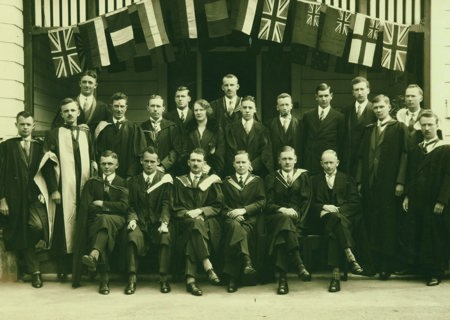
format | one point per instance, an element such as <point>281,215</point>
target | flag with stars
<point>336,27</point>
<point>64,52</point>
<point>364,40</point>
<point>306,16</point>
<point>273,20</point>
<point>395,46</point>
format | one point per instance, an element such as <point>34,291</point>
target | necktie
<point>156,126</point>
<point>147,182</point>
<point>241,181</point>
<point>106,184</point>
<point>322,115</point>
<point>118,123</point>
<point>195,181</point>
<point>411,122</point>
<point>85,105</point>
<point>289,179</point>
<point>247,127</point>
<point>182,118</point>
<point>230,108</point>
<point>285,124</point>
<point>26,147</point>
<point>358,111</point>
<point>329,181</point>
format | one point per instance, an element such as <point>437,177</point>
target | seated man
<point>288,201</point>
<point>244,198</point>
<point>104,204</point>
<point>335,202</point>
<point>196,202</point>
<point>148,218</point>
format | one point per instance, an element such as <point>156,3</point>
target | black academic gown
<point>128,142</point>
<point>319,136</point>
<point>220,111</point>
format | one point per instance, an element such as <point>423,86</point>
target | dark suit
<point>221,114</point>
<point>354,129</point>
<point>280,138</point>
<point>319,136</point>
<point>175,118</point>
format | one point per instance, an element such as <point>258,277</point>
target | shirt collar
<point>83,98</point>
<point>110,177</point>
<point>26,138</point>
<point>233,100</point>
<point>244,176</point>
<point>382,123</point>
<point>363,105</point>
<point>326,110</point>
<point>250,122</point>
<point>288,117</point>
<point>192,175</point>
<point>122,120</point>
<point>156,121</point>
<point>151,176</point>
<point>332,174</point>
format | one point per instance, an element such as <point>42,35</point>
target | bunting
<point>243,15</point>
<point>121,31</point>
<point>64,52</point>
<point>151,18</point>
<point>273,21</point>
<point>185,21</point>
<point>395,45</point>
<point>306,19</point>
<point>92,34</point>
<point>364,40</point>
<point>335,31</point>
<point>219,23</point>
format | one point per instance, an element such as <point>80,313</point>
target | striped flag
<point>364,40</point>
<point>306,23</point>
<point>243,15</point>
<point>184,21</point>
<point>335,31</point>
<point>151,18</point>
<point>64,52</point>
<point>219,23</point>
<point>121,31</point>
<point>273,21</point>
<point>92,34</point>
<point>395,46</point>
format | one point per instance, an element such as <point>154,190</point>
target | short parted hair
<point>23,114</point>
<point>427,113</point>
<point>150,150</point>
<point>184,88</point>
<point>249,98</point>
<point>239,152</point>
<point>155,96</point>
<point>119,96</point>
<point>382,98</point>
<point>360,79</point>
<point>198,151</point>
<point>322,87</point>
<point>67,101</point>
<point>286,149</point>
<point>229,76</point>
<point>283,95</point>
<point>329,151</point>
<point>415,86</point>
<point>205,105</point>
<point>90,73</point>
<point>109,153</point>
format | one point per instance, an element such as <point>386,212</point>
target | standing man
<point>427,200</point>
<point>183,114</point>
<point>148,219</point>
<point>323,128</point>
<point>162,134</point>
<point>356,116</point>
<point>72,146</point>
<point>244,199</point>
<point>122,136</point>
<point>381,179</point>
<point>196,202</point>
<point>92,111</point>
<point>103,210</point>
<point>22,201</point>
<point>288,201</point>
<point>410,115</point>
<point>285,129</point>
<point>335,203</point>
<point>228,108</point>
<point>250,135</point>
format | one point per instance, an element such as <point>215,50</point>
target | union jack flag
<point>64,52</point>
<point>395,46</point>
<point>273,21</point>
<point>313,15</point>
<point>343,22</point>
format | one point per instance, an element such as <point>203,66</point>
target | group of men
<point>99,182</point>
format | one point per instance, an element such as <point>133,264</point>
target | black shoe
<point>232,287</point>
<point>283,287</point>
<point>193,289</point>
<point>213,278</point>
<point>304,274</point>
<point>104,288</point>
<point>384,275</point>
<point>335,285</point>
<point>433,281</point>
<point>130,288</point>
<point>249,270</point>
<point>164,287</point>
<point>36,280</point>
<point>90,262</point>
<point>356,268</point>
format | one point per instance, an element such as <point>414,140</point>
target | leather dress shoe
<point>249,270</point>
<point>232,287</point>
<point>335,285</point>
<point>433,281</point>
<point>384,275</point>
<point>193,289</point>
<point>130,288</point>
<point>283,287</point>
<point>213,278</point>
<point>104,288</point>
<point>36,280</point>
<point>90,262</point>
<point>164,287</point>
<point>356,268</point>
<point>304,274</point>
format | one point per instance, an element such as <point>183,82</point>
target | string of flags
<point>135,30</point>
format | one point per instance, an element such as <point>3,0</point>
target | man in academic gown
<point>427,201</point>
<point>182,114</point>
<point>410,115</point>
<point>250,135</point>
<point>102,215</point>
<point>288,200</point>
<point>163,135</point>
<point>227,109</point>
<point>196,202</point>
<point>92,111</point>
<point>335,203</point>
<point>381,176</point>
<point>122,136</point>
<point>285,130</point>
<point>149,219</point>
<point>323,128</point>
<point>22,201</point>
<point>356,117</point>
<point>71,144</point>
